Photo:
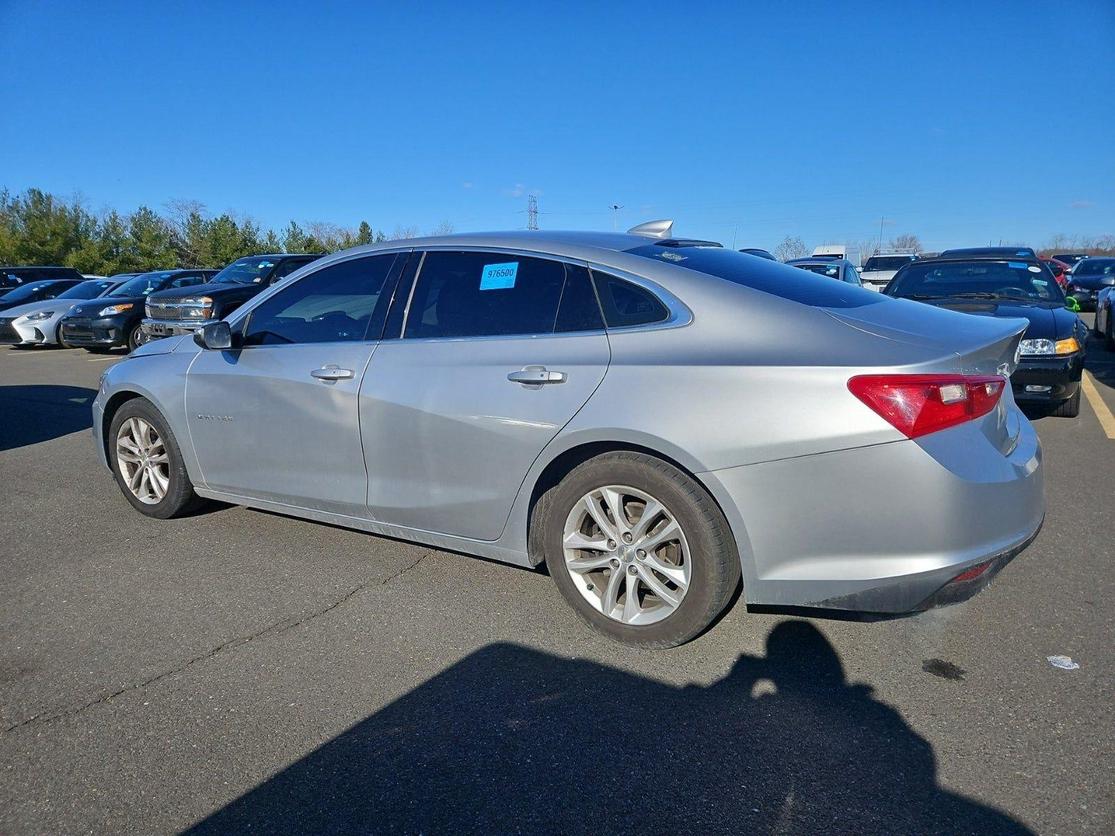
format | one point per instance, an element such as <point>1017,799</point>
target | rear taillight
<point>918,404</point>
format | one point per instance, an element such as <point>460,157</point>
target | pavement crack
<point>276,628</point>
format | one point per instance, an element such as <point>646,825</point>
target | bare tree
<point>443,228</point>
<point>791,247</point>
<point>405,232</point>
<point>906,241</point>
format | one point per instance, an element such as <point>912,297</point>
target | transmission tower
<point>532,212</point>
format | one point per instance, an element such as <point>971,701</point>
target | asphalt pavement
<point>247,672</point>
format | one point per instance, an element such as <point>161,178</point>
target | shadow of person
<point>853,764</point>
<point>513,740</point>
<point>30,414</point>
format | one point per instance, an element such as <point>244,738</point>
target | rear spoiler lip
<point>995,330</point>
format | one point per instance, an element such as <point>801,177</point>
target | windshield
<point>87,290</point>
<point>979,280</point>
<point>245,271</point>
<point>1095,267</point>
<point>781,280</point>
<point>27,291</point>
<point>140,285</point>
<point>887,262</point>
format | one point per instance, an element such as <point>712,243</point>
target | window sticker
<point>1017,265</point>
<point>1039,282</point>
<point>499,276</point>
<point>1033,268</point>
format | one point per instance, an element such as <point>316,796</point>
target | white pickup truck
<point>879,269</point>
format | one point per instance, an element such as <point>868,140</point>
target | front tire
<point>135,338</point>
<point>651,581</point>
<point>1069,408</point>
<point>147,462</point>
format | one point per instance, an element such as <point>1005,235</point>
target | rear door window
<point>484,294</point>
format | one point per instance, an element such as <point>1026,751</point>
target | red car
<point>1060,270</point>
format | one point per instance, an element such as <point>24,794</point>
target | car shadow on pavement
<point>39,413</point>
<point>514,740</point>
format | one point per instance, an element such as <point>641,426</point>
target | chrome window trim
<point>679,314</point>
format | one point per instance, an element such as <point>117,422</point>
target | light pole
<point>615,207</point>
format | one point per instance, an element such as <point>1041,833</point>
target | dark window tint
<point>766,276</point>
<point>287,267</point>
<point>334,304</point>
<point>185,281</point>
<point>468,294</point>
<point>578,310</point>
<point>626,304</point>
<point>35,291</point>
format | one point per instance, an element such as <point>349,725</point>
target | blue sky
<point>963,123</point>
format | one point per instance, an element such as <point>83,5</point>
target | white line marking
<point>1107,420</point>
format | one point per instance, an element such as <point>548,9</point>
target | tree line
<point>40,228</point>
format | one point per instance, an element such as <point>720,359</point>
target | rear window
<point>887,262</point>
<point>766,276</point>
<point>977,279</point>
<point>1095,267</point>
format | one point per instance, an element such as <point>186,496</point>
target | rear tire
<point>141,436</point>
<point>702,556</point>
<point>1109,337</point>
<point>1069,408</point>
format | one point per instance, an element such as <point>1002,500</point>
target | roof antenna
<point>653,229</point>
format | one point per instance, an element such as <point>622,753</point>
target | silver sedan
<point>658,420</point>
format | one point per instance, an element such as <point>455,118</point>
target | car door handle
<point>536,376</point>
<point>331,373</point>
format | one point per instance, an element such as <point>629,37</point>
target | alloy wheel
<point>627,554</point>
<point>142,457</point>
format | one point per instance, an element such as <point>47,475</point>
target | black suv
<point>172,312</point>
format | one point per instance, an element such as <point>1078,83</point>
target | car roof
<point>1024,259</point>
<point>571,243</point>
<point>990,252</point>
<point>799,262</point>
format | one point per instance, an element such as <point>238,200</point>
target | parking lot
<point>240,670</point>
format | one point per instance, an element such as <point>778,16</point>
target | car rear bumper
<point>886,528</point>
<point>1047,380</point>
<point>156,329</point>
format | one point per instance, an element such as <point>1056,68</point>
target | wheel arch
<point>565,460</point>
<point>112,406</point>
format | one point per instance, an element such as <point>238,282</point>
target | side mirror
<point>1072,304</point>
<point>215,336</point>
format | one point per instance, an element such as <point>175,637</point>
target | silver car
<point>655,419</point>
